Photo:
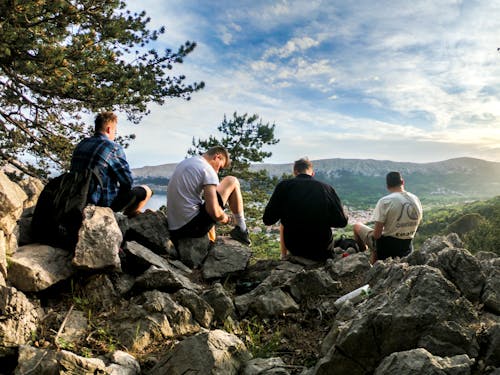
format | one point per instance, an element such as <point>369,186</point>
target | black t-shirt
<point>308,209</point>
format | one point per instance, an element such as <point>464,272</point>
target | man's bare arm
<point>377,231</point>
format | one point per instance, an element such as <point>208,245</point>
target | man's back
<point>307,209</point>
<point>184,192</point>
<point>401,213</point>
<point>109,158</point>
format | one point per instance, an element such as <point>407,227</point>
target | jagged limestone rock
<point>32,187</point>
<point>193,251</point>
<point>313,283</point>
<point>491,291</point>
<point>48,362</point>
<point>99,240</point>
<point>410,307</point>
<point>492,346</point>
<point>202,312</point>
<point>211,353</point>
<point>143,258</point>
<point>19,319</point>
<point>462,269</point>
<point>3,255</point>
<point>225,257</point>
<point>36,267</point>
<point>150,229</point>
<point>420,361</point>
<point>273,303</point>
<point>152,316</point>
<point>221,302</point>
<point>123,364</point>
<point>100,292</point>
<point>165,280</point>
<point>265,366</point>
<point>12,198</point>
<point>75,328</point>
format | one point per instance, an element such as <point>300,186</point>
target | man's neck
<point>396,189</point>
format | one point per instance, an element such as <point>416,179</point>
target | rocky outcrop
<point>435,311</point>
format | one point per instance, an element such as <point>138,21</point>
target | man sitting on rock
<point>308,209</point>
<point>196,199</point>
<point>396,217</point>
<point>101,152</point>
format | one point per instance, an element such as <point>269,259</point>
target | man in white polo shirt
<point>196,198</point>
<point>396,217</point>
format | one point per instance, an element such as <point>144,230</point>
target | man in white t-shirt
<point>396,218</point>
<point>196,198</point>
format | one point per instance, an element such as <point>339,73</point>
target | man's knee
<point>356,228</point>
<point>231,181</point>
<point>148,190</point>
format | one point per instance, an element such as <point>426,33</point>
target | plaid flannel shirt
<point>111,163</point>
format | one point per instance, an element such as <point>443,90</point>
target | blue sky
<point>391,80</point>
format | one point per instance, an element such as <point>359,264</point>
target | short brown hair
<point>102,119</point>
<point>212,151</point>
<point>394,179</point>
<point>302,165</point>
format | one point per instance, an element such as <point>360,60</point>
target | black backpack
<point>58,213</point>
<point>345,243</point>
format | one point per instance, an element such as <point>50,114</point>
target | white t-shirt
<point>401,213</point>
<point>185,190</point>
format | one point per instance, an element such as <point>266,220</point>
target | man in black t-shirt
<point>308,209</point>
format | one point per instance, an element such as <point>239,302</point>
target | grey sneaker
<point>240,236</point>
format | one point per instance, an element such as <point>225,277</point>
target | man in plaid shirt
<point>102,152</point>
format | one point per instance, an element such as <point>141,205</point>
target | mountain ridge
<point>366,167</point>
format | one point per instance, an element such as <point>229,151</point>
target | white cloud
<point>292,46</point>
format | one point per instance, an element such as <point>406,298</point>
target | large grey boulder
<point>226,257</point>
<point>150,229</point>
<point>12,199</point>
<point>193,251</point>
<point>19,319</point>
<point>211,353</point>
<point>420,361</point>
<point>411,307</point>
<point>36,267</point>
<point>99,240</point>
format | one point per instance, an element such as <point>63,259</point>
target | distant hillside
<point>360,182</point>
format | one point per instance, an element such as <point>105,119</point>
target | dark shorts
<point>198,226</point>
<point>390,247</point>
<point>129,199</point>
